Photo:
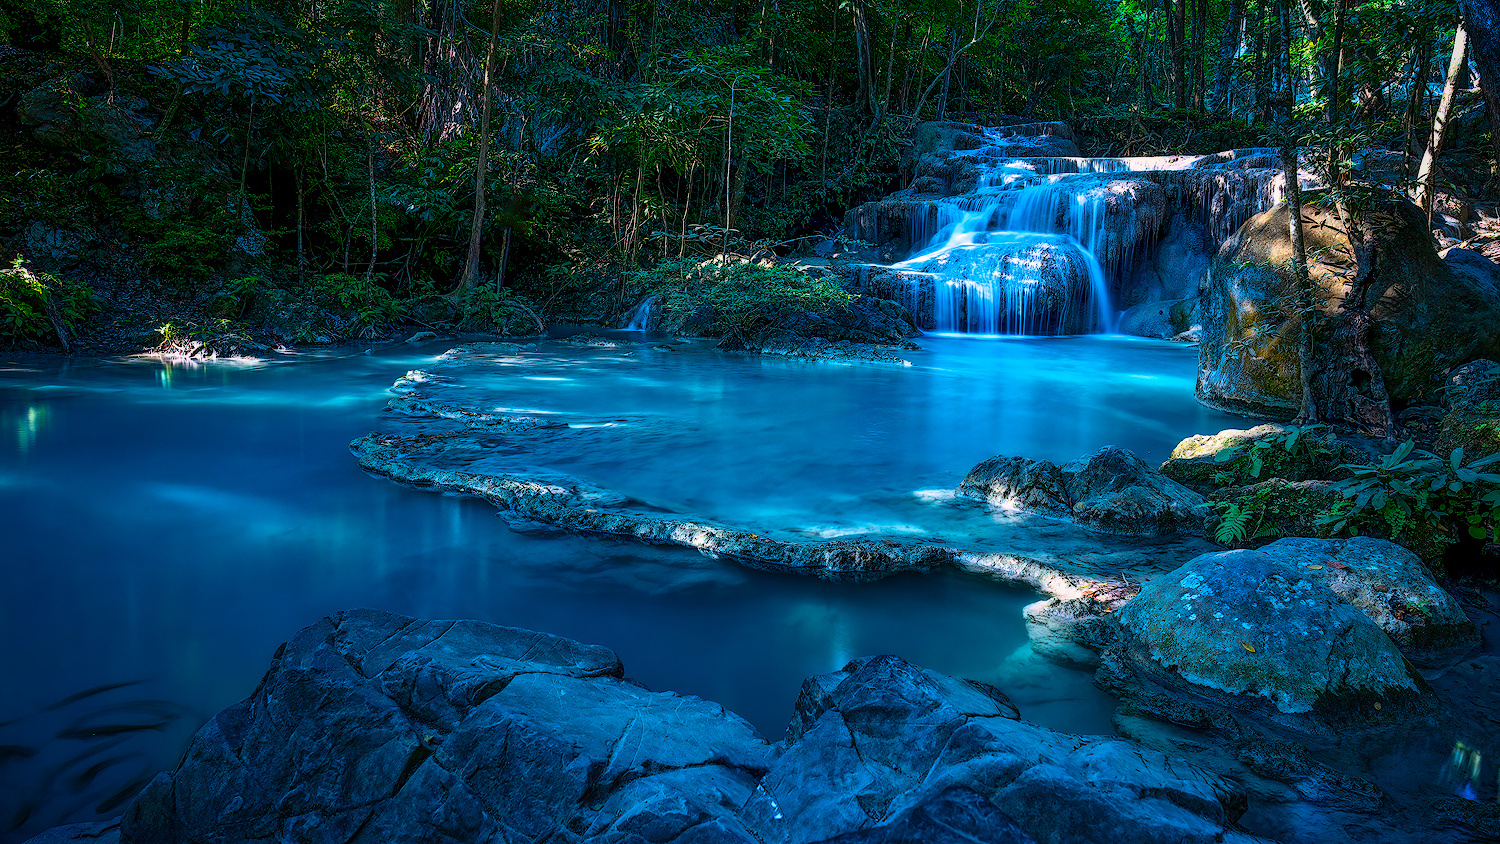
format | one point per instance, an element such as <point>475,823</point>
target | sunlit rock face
<point>1262,637</point>
<point>1112,491</point>
<point>1427,314</point>
<point>1006,230</point>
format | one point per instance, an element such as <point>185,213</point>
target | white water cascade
<point>1040,244</point>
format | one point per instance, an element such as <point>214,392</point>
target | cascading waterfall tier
<point>1013,238</point>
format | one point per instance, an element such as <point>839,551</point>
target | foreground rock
<point>883,742</point>
<point>1391,587</point>
<point>1246,635</point>
<point>1111,490</point>
<point>373,727</point>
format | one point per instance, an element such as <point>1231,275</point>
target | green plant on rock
<point>1308,443</point>
<point>486,308</point>
<point>362,308</point>
<point>37,306</point>
<point>737,295</point>
<point>1413,493</point>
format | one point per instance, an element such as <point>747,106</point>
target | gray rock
<point>1112,491</point>
<point>372,727</point>
<point>1161,320</point>
<point>1390,585</point>
<point>1254,636</point>
<point>875,747</point>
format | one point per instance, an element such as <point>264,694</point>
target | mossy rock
<point>1279,508</point>
<point>1426,314</point>
<point>1197,462</point>
<point>1473,419</point>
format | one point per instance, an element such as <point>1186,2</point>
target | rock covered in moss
<point>1426,315</point>
<point>1204,462</point>
<point>1252,635</point>
<point>1112,490</point>
<point>1390,585</point>
<point>1270,510</point>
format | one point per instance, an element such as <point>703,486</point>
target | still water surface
<point>166,526</point>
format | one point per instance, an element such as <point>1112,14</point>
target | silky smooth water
<point>166,526</point>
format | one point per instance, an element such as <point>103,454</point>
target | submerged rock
<point>1243,634</point>
<point>882,742</point>
<point>1111,490</point>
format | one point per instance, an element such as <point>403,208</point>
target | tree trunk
<point>470,278</point>
<point>1427,173</point>
<point>1176,24</point>
<point>1482,23</point>
<point>865,97</point>
<point>1199,22</point>
<point>1304,301</point>
<point>1229,43</point>
<point>374,212</point>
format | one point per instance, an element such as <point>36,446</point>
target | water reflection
<point>1463,774</point>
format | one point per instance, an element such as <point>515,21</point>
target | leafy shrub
<point>1413,493</point>
<point>25,297</point>
<point>1307,445</point>
<point>361,308</point>
<point>736,295</point>
<point>487,309</point>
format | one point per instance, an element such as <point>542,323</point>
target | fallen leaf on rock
<point>1314,566</point>
<point>1247,646</point>
<point>1335,564</point>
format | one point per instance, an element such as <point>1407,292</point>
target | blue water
<point>166,526</point>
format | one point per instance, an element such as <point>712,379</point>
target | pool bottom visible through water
<point>169,525</point>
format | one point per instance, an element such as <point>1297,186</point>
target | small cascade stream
<point>1033,244</point>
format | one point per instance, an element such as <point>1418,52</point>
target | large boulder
<point>876,746</point>
<point>1390,585</point>
<point>1427,315</point>
<point>1242,634</point>
<point>1112,490</point>
<point>373,727</point>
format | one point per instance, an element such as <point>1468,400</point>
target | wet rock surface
<point>1112,490</point>
<point>1390,585</point>
<point>375,727</point>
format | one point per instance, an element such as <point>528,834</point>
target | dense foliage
<point>202,142</point>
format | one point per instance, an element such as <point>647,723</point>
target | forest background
<point>319,170</point>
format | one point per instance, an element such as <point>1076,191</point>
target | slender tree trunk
<point>504,261</point>
<point>1177,17</point>
<point>1427,172</point>
<point>98,57</point>
<point>890,64</point>
<point>865,97</point>
<point>470,277</point>
<point>1336,98</point>
<point>1229,42</point>
<point>301,224</point>
<point>1421,57</point>
<point>1304,303</point>
<point>374,212</point>
<point>1199,22</point>
<point>245,161</point>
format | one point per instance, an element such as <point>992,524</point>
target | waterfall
<point>1042,243</point>
<point>641,319</point>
